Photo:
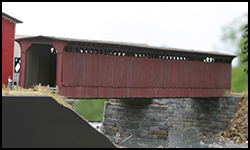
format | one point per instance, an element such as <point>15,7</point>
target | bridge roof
<point>141,45</point>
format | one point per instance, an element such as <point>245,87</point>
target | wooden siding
<point>99,69</point>
<point>102,76</point>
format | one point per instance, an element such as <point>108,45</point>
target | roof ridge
<point>128,44</point>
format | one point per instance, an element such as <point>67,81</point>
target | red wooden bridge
<point>102,69</point>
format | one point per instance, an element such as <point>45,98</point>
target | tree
<point>233,41</point>
<point>244,48</point>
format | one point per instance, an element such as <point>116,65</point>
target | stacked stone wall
<point>135,116</point>
<point>200,114</point>
<point>152,118</point>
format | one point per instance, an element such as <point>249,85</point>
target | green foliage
<point>90,109</point>
<point>232,32</point>
<point>239,81</point>
<point>244,48</point>
<point>233,40</point>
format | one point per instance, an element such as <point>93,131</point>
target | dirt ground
<point>37,91</point>
<point>237,129</point>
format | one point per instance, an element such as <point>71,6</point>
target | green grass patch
<point>90,109</point>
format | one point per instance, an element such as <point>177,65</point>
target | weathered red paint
<point>24,47</point>
<point>127,77</point>
<point>84,75</point>
<point>8,34</point>
<point>59,46</point>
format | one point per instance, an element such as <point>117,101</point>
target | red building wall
<point>8,34</point>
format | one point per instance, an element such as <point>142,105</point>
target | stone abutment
<point>152,118</point>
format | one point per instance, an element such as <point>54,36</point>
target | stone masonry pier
<point>140,117</point>
<point>152,118</point>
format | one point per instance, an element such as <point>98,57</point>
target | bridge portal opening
<point>40,65</point>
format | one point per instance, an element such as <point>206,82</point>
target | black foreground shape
<point>41,122</point>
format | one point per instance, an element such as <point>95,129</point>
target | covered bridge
<point>104,69</point>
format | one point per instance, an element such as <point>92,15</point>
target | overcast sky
<point>195,26</point>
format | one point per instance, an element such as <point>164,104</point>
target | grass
<point>90,109</point>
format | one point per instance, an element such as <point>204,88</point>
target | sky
<point>186,25</point>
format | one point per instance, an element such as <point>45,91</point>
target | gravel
<point>178,139</point>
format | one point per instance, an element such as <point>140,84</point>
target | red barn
<point>8,34</point>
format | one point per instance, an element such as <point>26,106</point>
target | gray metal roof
<point>141,45</point>
<point>10,18</point>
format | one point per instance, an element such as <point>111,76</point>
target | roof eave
<point>10,18</point>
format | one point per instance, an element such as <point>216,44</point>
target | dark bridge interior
<point>40,65</point>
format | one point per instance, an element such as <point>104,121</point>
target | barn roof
<point>141,45</point>
<point>10,18</point>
